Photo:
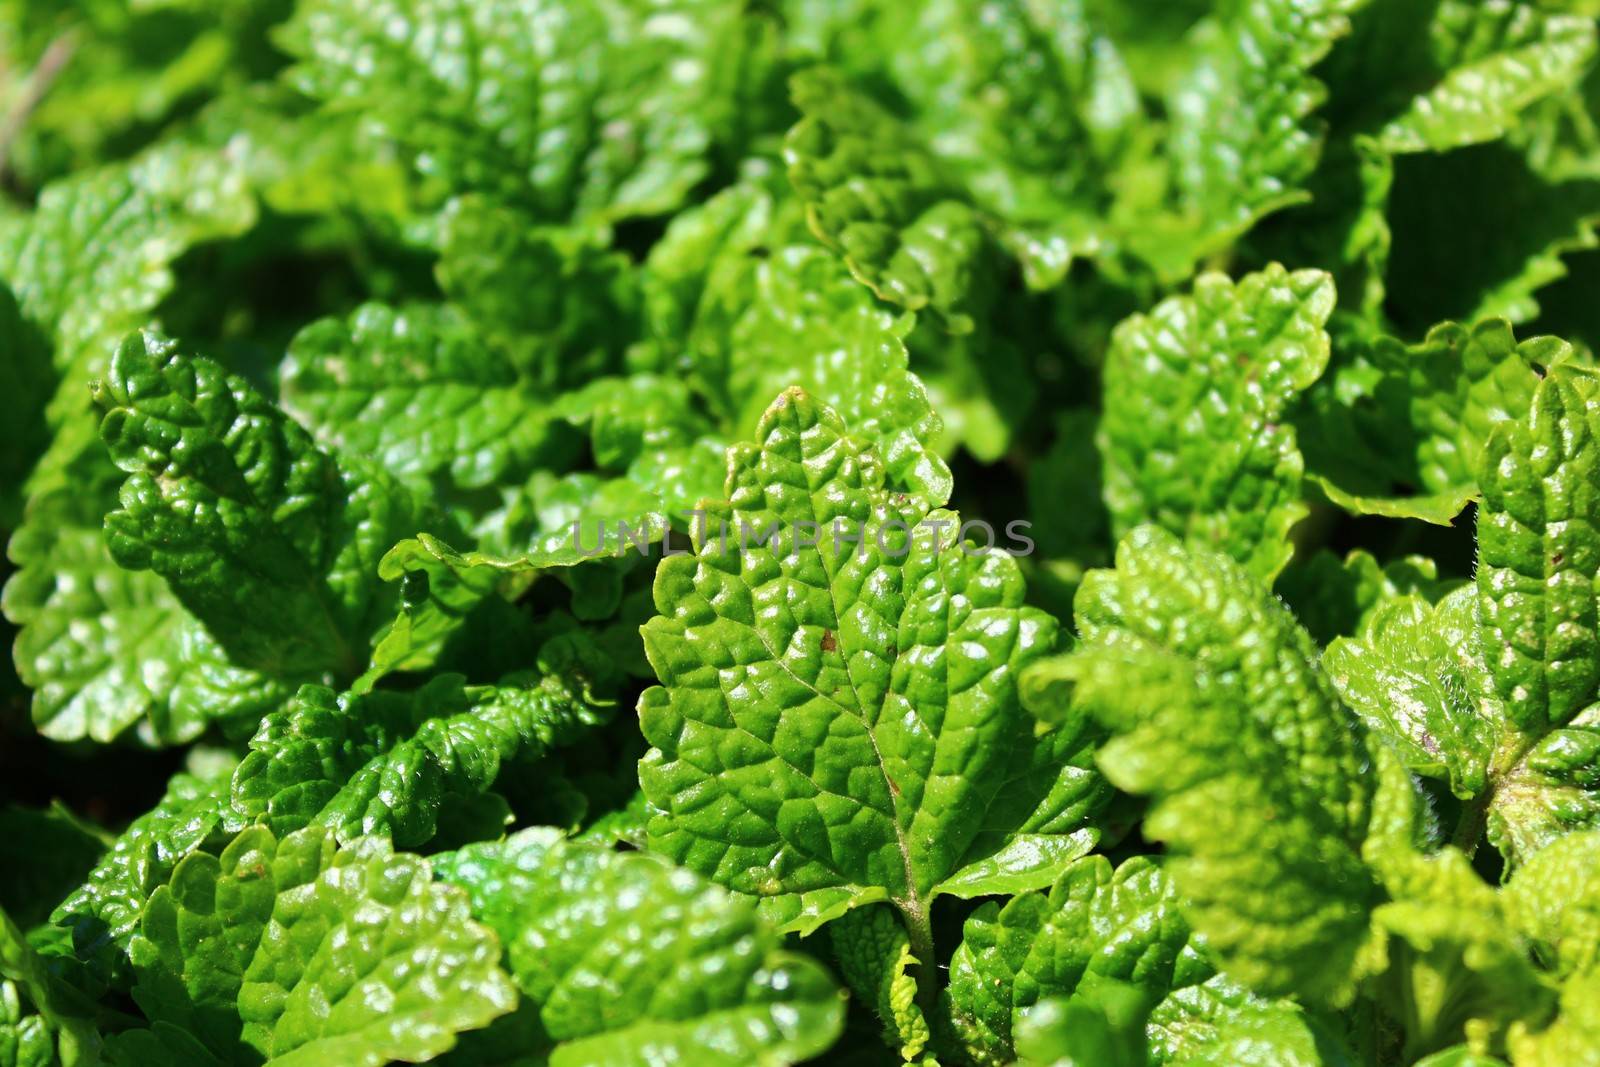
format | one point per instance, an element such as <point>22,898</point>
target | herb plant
<point>717,532</point>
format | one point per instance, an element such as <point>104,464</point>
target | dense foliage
<point>640,532</point>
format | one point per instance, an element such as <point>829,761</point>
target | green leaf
<point>1573,1040</point>
<point>623,956</point>
<point>301,161</point>
<point>874,954</point>
<point>1034,110</point>
<point>1410,675</point>
<point>747,315</point>
<point>416,390</point>
<point>1491,687</point>
<point>37,1028</point>
<point>1195,435</point>
<point>1258,774</point>
<point>697,275</point>
<point>1539,554</point>
<point>1337,598</point>
<point>1555,899</point>
<point>1221,1022</point>
<point>874,194</point>
<point>386,763</point>
<point>574,110</point>
<point>1095,924</point>
<point>807,753</point>
<point>198,934</point>
<point>1102,1023</point>
<point>1399,430</point>
<point>257,531</point>
<point>804,323</point>
<point>557,303</point>
<point>311,954</point>
<point>120,74</point>
<point>1432,76</point>
<point>1493,61</point>
<point>104,651</point>
<point>1420,677</point>
<point>1456,968</point>
<point>96,255</point>
<point>621,523</point>
<point>631,417</point>
<point>104,911</point>
<point>1243,141</point>
<point>107,650</point>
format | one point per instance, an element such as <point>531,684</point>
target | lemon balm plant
<point>332,331</point>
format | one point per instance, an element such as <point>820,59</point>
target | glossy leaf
<point>808,755</point>
<point>628,959</point>
<point>1194,437</point>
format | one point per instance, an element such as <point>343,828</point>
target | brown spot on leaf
<point>828,642</point>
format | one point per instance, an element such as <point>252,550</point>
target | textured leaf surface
<point>1555,899</point>
<point>416,391</point>
<point>35,1028</point>
<point>1494,688</point>
<point>1194,436</point>
<point>1495,59</point>
<point>256,530</point>
<point>1420,677</point>
<point>1032,111</point>
<point>1258,773</point>
<point>876,195</point>
<point>107,650</point>
<point>1121,924</point>
<point>627,959</point>
<point>1399,430</point>
<point>557,301</point>
<point>574,109</point>
<point>1220,1021</point>
<point>104,651</point>
<point>1456,963</point>
<point>1573,1039</point>
<point>1539,554</point>
<point>385,763</point>
<point>1439,83</point>
<point>801,321</point>
<point>105,910</point>
<point>1243,140</point>
<point>314,955</point>
<point>875,959</point>
<point>836,721</point>
<point>96,255</point>
<point>1412,675</point>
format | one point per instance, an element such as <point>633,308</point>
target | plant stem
<point>919,929</point>
<point>44,75</point>
<point>1469,824</point>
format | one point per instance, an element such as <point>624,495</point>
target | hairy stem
<point>919,928</point>
<point>1469,824</point>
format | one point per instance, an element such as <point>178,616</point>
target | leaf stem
<point>919,930</point>
<point>1469,824</point>
<point>44,75</point>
